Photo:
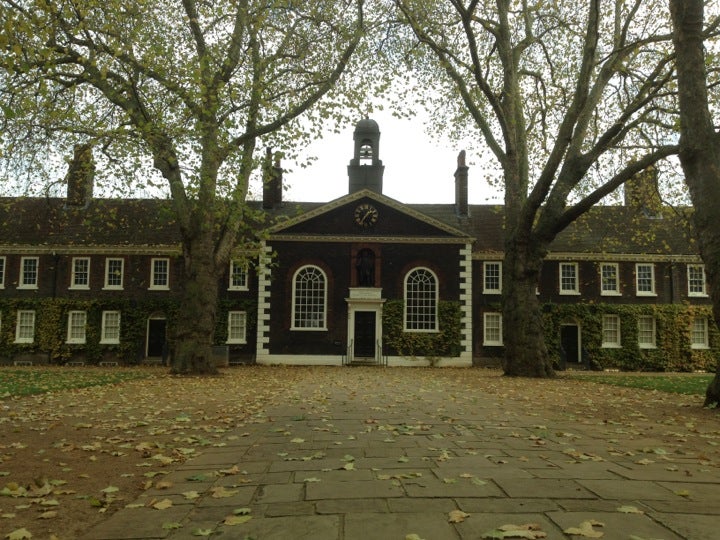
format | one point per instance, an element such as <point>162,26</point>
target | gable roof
<point>409,211</point>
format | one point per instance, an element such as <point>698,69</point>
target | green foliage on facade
<point>443,343</point>
<point>672,351</point>
<point>51,326</point>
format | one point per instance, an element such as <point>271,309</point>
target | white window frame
<point>21,325</point>
<point>21,281</point>
<point>317,322</point>
<point>241,267</point>
<point>494,318</point>
<point>76,333</point>
<point>611,324</point>
<point>237,327</point>
<point>576,278</point>
<point>616,269</point>
<point>74,273</point>
<point>114,327</point>
<point>702,279</point>
<point>650,343</point>
<point>651,292</point>
<point>114,287</point>
<point>486,266</point>
<point>154,273</point>
<point>705,343</point>
<point>3,268</point>
<point>424,318</point>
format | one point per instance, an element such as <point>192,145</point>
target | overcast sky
<point>418,168</point>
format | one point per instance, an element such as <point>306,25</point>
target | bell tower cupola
<point>366,170</point>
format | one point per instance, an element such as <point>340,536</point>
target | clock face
<point>366,215</point>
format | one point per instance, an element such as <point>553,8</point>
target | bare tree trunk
<point>526,354</point>
<point>699,149</point>
<point>195,324</point>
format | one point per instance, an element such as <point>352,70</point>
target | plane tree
<point>570,99</point>
<point>178,95</point>
<point>699,144</point>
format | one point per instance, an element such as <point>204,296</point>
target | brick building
<point>363,278</point>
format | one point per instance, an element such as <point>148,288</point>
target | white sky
<point>418,168</point>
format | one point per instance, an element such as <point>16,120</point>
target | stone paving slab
<point>376,467</point>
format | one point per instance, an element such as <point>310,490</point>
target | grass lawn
<point>26,381</point>
<point>678,383</point>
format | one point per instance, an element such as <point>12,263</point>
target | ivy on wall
<point>672,336</point>
<point>443,343</point>
<point>51,323</point>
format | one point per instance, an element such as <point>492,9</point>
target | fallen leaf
<point>19,534</point>
<point>171,525</point>
<point>586,529</point>
<point>191,495</point>
<point>236,520</point>
<point>457,516</point>
<point>48,515</point>
<point>162,505</point>
<point>413,536</point>
<point>220,492</point>
<point>529,531</point>
<point>202,532</point>
<point>630,510</point>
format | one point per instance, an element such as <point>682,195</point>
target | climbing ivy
<point>51,319</point>
<point>432,345</point>
<point>672,332</point>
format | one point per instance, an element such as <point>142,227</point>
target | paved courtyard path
<point>364,453</point>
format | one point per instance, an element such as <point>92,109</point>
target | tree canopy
<point>570,99</point>
<point>188,86</point>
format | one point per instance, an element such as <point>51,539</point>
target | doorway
<point>570,343</point>
<point>364,334</point>
<point>156,337</point>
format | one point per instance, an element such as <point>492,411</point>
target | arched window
<point>421,301</point>
<point>309,299</point>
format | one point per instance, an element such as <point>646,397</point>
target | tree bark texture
<point>699,149</point>
<point>192,338</point>
<point>526,354</point>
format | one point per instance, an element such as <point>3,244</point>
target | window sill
<point>645,294</point>
<point>492,291</point>
<point>159,288</point>
<point>103,342</point>
<point>569,293</point>
<point>236,342</point>
<point>303,329</point>
<point>75,342</point>
<point>492,344</point>
<point>610,293</point>
<point>79,288</point>
<point>27,287</point>
<point>698,295</point>
<point>113,288</point>
<point>611,346</point>
<point>647,347</point>
<point>25,341</point>
<point>699,347</point>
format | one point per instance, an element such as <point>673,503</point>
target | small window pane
<point>696,280</point>
<point>114,273</point>
<point>492,329</point>
<point>609,279</point>
<point>160,276</point>
<point>29,272</point>
<point>568,278</point>
<point>110,327</point>
<point>645,276</point>
<point>25,330</point>
<point>76,327</point>
<point>238,275</point>
<point>646,332</point>
<point>80,272</point>
<point>610,331</point>
<point>699,333</point>
<point>237,322</point>
<point>493,277</point>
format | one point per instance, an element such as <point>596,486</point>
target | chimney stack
<point>461,186</point>
<point>80,176</point>
<point>641,192</point>
<point>272,181</point>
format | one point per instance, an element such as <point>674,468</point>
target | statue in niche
<point>365,266</point>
